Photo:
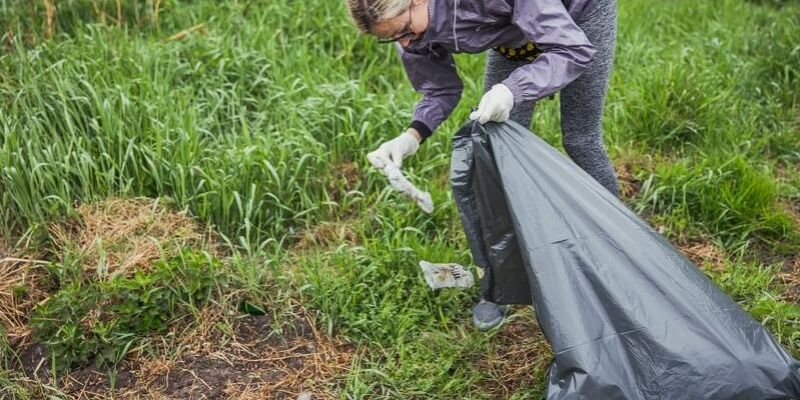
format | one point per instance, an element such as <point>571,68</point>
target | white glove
<point>394,150</point>
<point>495,105</point>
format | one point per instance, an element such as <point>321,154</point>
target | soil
<point>253,363</point>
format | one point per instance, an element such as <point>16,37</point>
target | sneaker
<point>487,315</point>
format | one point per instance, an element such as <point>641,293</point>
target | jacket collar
<point>441,25</point>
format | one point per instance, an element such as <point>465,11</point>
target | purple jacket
<point>473,26</point>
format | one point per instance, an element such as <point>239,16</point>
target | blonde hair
<point>367,13</point>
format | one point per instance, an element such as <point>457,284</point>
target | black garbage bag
<point>627,315</point>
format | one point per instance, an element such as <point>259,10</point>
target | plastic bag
<point>627,315</point>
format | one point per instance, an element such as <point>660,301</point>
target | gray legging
<point>582,100</point>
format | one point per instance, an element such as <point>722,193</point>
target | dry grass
<point>517,350</point>
<point>704,254</point>
<point>119,236</point>
<point>346,179</point>
<point>22,287</point>
<point>308,365</point>
<point>629,186</point>
<point>249,363</point>
<point>115,236</point>
<point>627,164</point>
<point>186,32</point>
<point>325,235</point>
<point>790,279</point>
<point>348,174</point>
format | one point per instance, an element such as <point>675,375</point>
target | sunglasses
<point>408,32</point>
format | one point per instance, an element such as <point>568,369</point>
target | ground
<point>186,210</point>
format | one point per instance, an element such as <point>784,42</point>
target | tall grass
<point>730,198</point>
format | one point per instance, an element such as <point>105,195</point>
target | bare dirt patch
<point>252,363</point>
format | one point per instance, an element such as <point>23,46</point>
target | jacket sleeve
<point>566,52</point>
<point>432,73</point>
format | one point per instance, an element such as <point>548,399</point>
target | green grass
<point>88,320</point>
<point>730,199</point>
<point>249,120</point>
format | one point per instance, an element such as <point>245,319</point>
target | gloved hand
<point>495,105</point>
<point>395,150</point>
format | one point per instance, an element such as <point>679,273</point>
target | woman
<point>536,48</point>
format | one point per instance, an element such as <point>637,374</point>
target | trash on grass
<point>447,275</point>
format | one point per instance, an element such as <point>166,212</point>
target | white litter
<point>447,275</point>
<point>400,183</point>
